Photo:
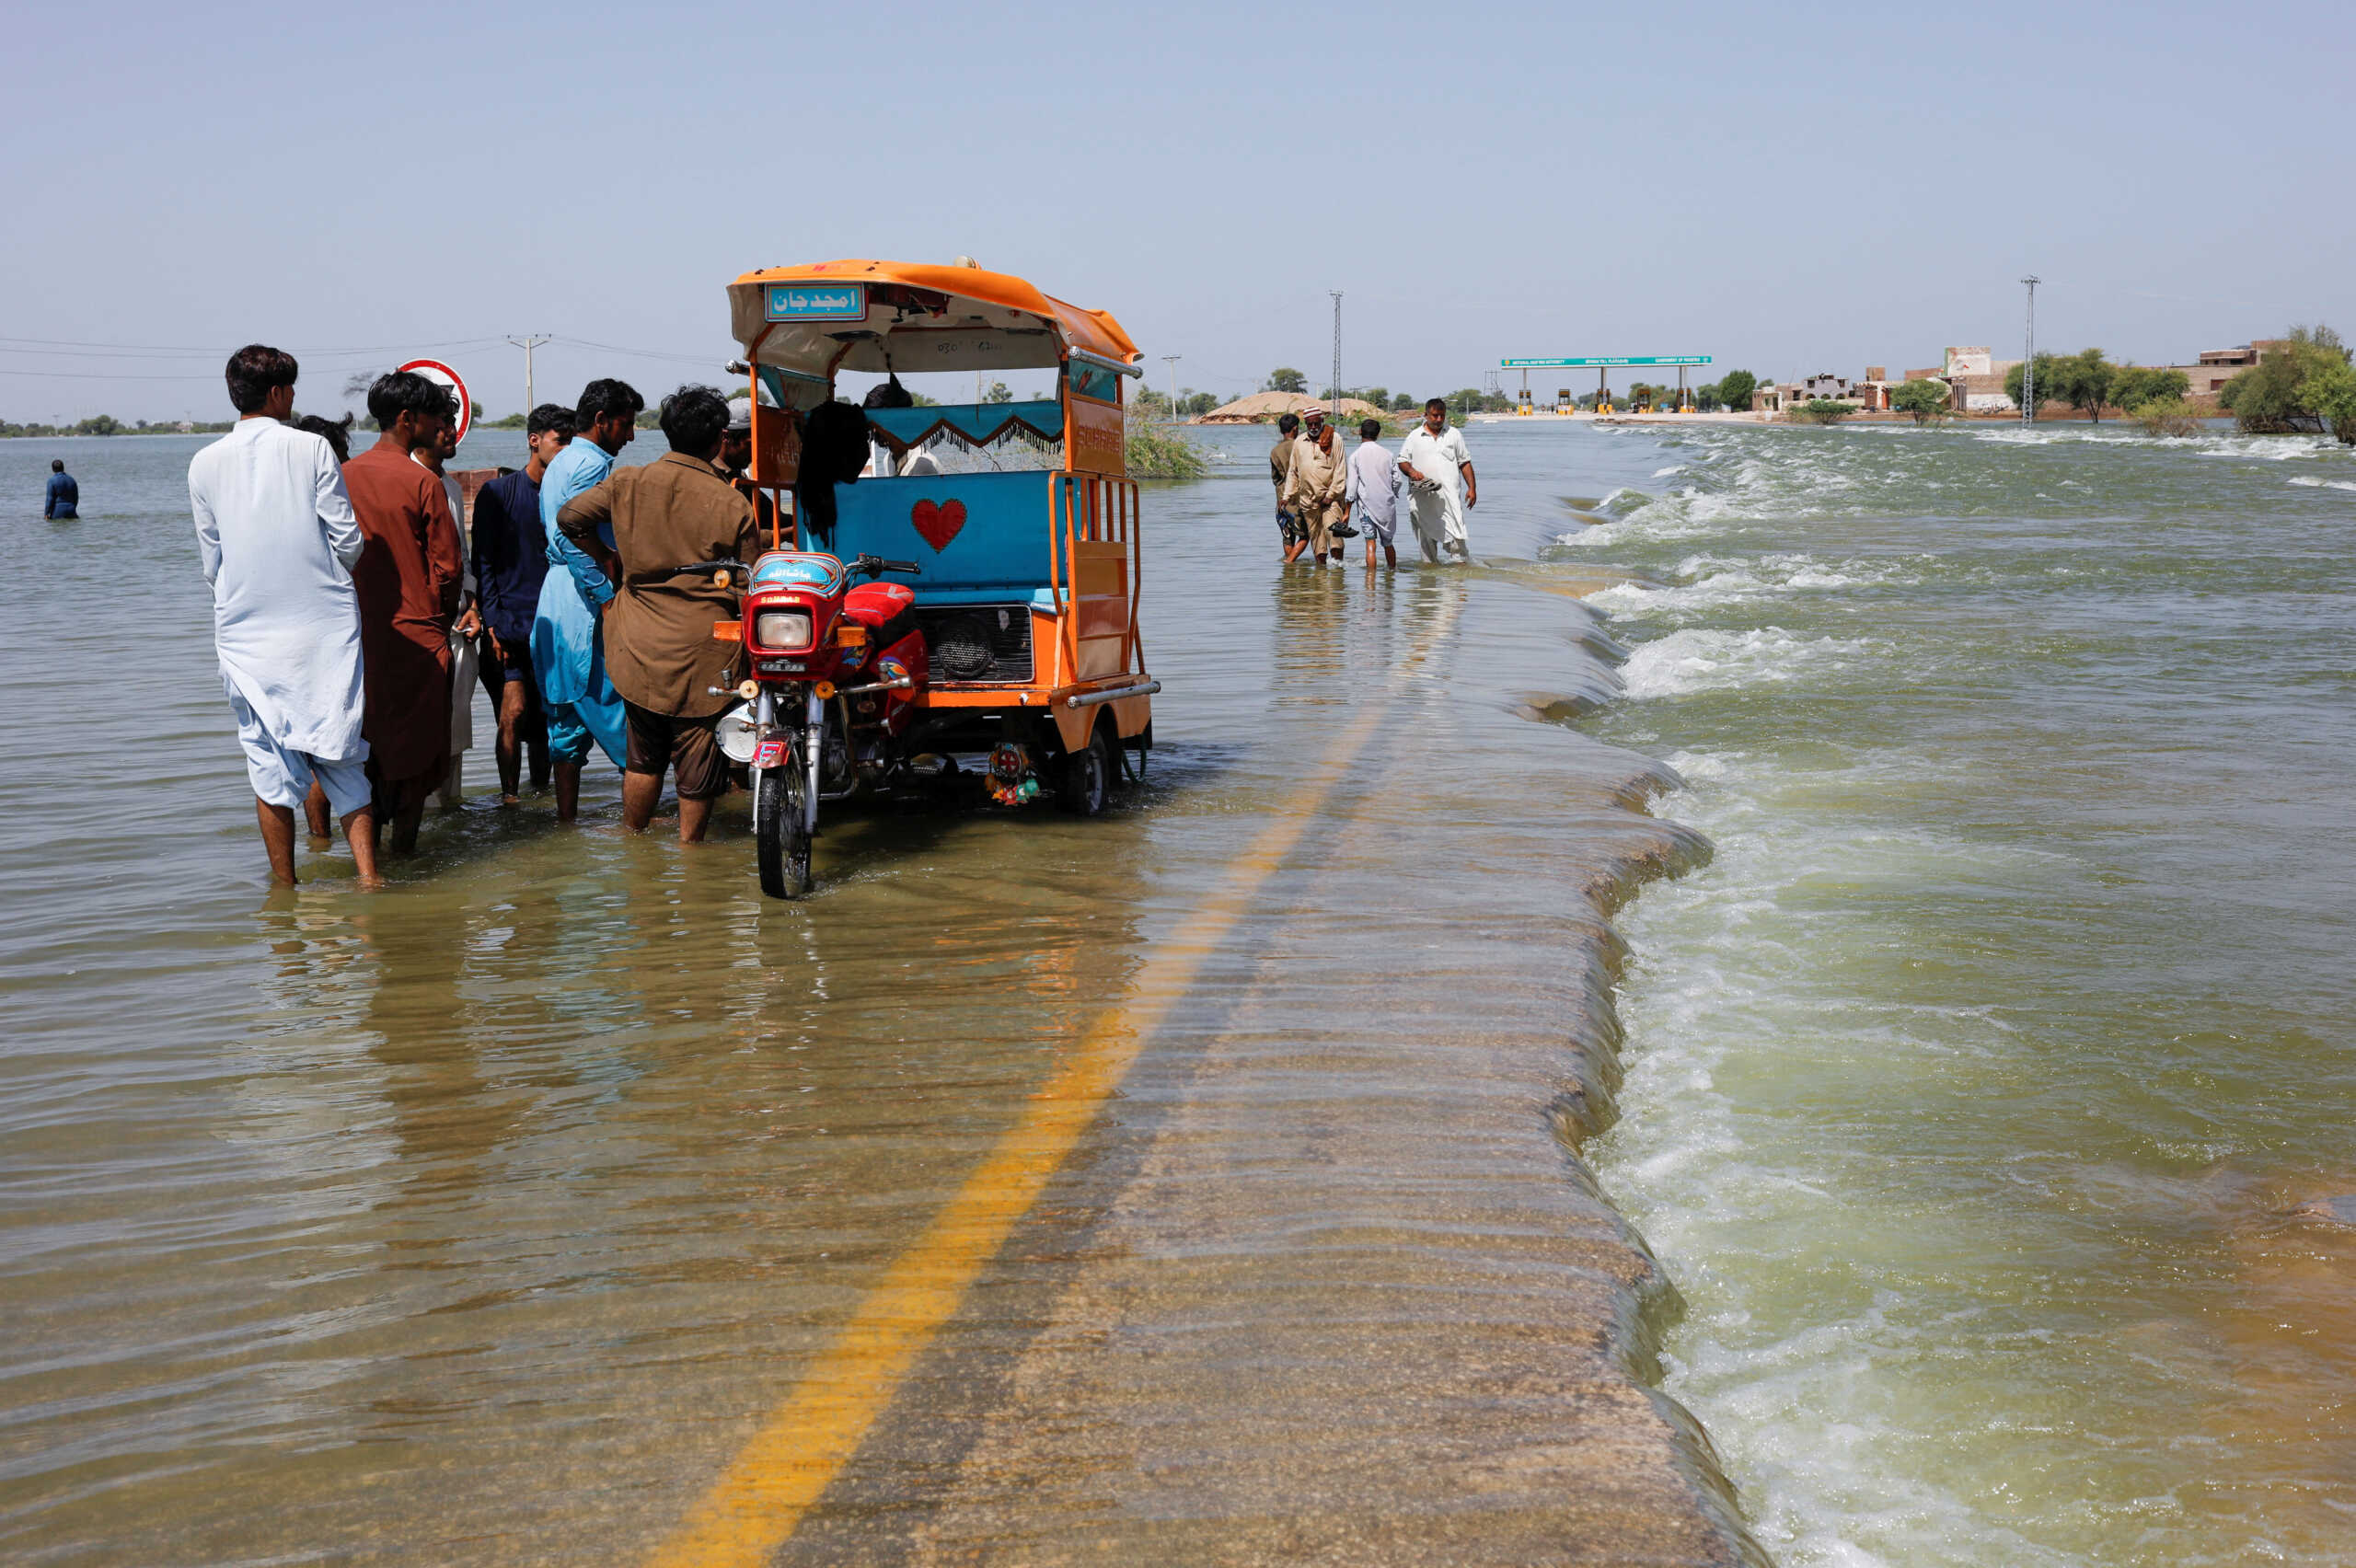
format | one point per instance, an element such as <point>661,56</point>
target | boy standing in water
<point>1374,491</point>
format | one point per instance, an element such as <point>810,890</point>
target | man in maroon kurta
<point>407,582</point>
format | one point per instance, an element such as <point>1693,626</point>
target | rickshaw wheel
<point>780,833</point>
<point>1088,776</point>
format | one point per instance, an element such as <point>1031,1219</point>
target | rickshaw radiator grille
<point>978,643</point>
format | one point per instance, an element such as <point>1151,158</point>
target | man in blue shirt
<point>511,562</point>
<point>64,495</point>
<point>568,652</point>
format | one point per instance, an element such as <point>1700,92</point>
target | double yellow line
<point>758,1501</point>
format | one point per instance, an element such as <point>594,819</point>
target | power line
<point>67,345</point>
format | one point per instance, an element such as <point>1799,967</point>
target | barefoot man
<point>409,580</point>
<point>1440,485</point>
<point>278,540</point>
<point>640,525</point>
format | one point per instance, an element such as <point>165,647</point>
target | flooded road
<point>1191,1184</point>
<point>1239,1177</point>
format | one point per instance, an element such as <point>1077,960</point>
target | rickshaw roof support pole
<point>752,370</point>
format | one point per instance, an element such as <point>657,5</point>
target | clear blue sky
<point>1788,188</point>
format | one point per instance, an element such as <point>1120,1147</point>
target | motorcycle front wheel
<point>781,830</point>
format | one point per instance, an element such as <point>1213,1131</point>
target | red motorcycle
<point>835,671</point>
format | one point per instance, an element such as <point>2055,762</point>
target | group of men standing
<point>351,614</point>
<point>1324,495</point>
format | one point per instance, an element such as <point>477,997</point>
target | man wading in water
<point>1436,462</point>
<point>409,580</point>
<point>1279,466</point>
<point>568,651</point>
<point>1315,489</point>
<point>276,533</point>
<point>640,526</point>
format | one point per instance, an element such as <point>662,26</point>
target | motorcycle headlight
<point>782,629</point>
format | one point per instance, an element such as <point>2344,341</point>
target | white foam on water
<point>1703,582</point>
<point>1704,659</point>
<point>2313,483</point>
<point>1813,1418</point>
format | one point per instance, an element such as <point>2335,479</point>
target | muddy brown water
<point>488,1218</point>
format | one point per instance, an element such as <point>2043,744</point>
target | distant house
<point>2217,366</point>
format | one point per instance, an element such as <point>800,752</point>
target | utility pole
<point>527,343</point>
<point>1337,344</point>
<point>1172,361</point>
<point>2029,358</point>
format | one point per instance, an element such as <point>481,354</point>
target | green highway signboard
<point>1604,364</point>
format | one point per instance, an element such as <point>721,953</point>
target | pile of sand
<point>1263,407</point>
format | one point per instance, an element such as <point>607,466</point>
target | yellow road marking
<point>758,1501</point>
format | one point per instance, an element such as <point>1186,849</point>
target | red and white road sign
<point>434,370</point>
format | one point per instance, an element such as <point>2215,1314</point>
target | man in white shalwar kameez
<point>1440,486</point>
<point>277,537</point>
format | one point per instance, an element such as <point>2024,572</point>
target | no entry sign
<point>434,370</point>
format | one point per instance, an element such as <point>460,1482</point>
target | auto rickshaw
<point>1003,541</point>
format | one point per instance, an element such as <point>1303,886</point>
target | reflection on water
<point>475,1221</point>
<point>1985,1094</point>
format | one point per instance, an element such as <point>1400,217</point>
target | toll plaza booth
<point>1603,364</point>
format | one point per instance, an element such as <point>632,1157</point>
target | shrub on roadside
<point>2166,416</point>
<point>1160,453</point>
<point>1823,411</point>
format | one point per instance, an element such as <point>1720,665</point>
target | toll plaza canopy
<point>904,317</point>
<point>1602,362</point>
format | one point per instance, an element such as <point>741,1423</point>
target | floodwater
<point>497,1216</point>
<point>1973,1089</point>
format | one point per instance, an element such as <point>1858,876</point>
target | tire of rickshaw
<point>1087,776</point>
<point>780,829</point>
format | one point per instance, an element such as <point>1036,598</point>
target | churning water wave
<point>1988,1094</point>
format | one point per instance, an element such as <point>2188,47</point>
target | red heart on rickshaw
<point>938,525</point>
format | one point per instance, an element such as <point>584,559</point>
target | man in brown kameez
<point>660,652</point>
<point>407,582</point>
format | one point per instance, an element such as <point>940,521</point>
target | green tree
<point>1735,388</point>
<point>998,394</point>
<point>2133,385</point>
<point>1922,398</point>
<point>1824,410</point>
<point>2082,380</point>
<point>2270,398</point>
<point>2047,376</point>
<point>1405,403</point>
<point>100,424</point>
<point>1284,378</point>
<point>2330,391</point>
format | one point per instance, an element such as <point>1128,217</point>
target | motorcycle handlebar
<point>875,566</point>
